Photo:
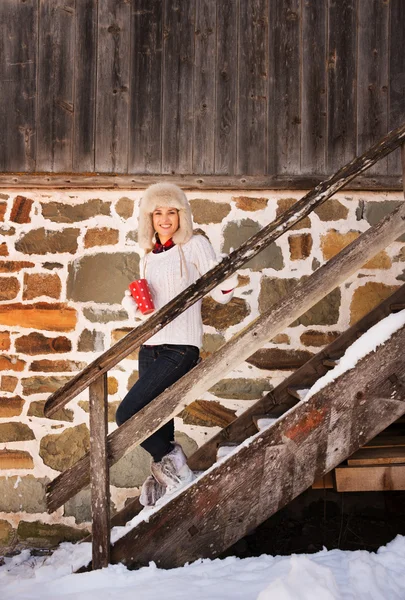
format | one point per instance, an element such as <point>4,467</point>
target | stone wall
<point>65,261</point>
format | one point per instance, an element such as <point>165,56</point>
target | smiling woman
<point>165,222</point>
<point>174,259</point>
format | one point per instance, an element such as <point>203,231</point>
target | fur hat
<point>163,194</point>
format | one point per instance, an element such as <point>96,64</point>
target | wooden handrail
<point>224,269</point>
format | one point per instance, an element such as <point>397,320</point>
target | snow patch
<point>333,575</point>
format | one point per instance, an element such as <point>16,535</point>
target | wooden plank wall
<point>284,88</point>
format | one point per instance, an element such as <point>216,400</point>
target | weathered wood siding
<point>284,88</point>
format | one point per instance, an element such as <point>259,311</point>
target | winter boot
<point>172,471</point>
<point>151,491</point>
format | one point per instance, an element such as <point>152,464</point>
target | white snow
<point>264,423</point>
<point>326,575</point>
<point>368,342</point>
<point>224,451</point>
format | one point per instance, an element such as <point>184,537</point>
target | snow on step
<point>302,393</point>
<point>225,450</point>
<point>368,342</point>
<point>264,422</point>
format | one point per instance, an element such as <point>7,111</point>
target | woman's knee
<point>129,406</point>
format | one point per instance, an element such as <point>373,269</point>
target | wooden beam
<point>277,465</point>
<point>99,472</point>
<point>377,456</point>
<point>223,270</point>
<point>378,478</point>
<point>241,346</point>
<point>106,181</point>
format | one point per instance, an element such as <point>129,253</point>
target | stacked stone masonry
<point>66,259</point>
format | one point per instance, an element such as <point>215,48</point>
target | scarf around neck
<point>159,247</point>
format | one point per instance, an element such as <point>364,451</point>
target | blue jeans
<point>159,367</point>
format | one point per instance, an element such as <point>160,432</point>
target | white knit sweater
<point>169,273</point>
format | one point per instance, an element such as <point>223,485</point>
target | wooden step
<point>377,478</point>
<point>377,456</point>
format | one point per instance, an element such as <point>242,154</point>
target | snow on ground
<point>326,575</point>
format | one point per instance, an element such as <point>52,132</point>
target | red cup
<point>141,294</point>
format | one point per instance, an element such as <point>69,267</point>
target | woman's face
<point>165,221</point>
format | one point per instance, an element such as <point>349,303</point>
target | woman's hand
<point>129,304</point>
<point>223,293</point>
<point>229,284</point>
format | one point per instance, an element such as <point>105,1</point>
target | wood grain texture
<point>18,86</point>
<point>226,87</point>
<point>378,478</point>
<point>85,86</point>
<point>100,480</point>
<point>276,93</point>
<point>396,89</point>
<point>204,86</point>
<point>24,181</point>
<point>372,75</point>
<point>113,67</point>
<point>178,107</point>
<point>284,136</point>
<point>203,376</point>
<point>56,60</point>
<point>314,96</point>
<point>253,71</point>
<point>145,111</point>
<point>278,465</point>
<point>341,80</point>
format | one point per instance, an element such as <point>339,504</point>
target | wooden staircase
<point>286,395</point>
<point>271,468</point>
<point>304,444</point>
<point>379,464</point>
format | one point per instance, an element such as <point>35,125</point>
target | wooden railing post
<point>99,470</point>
